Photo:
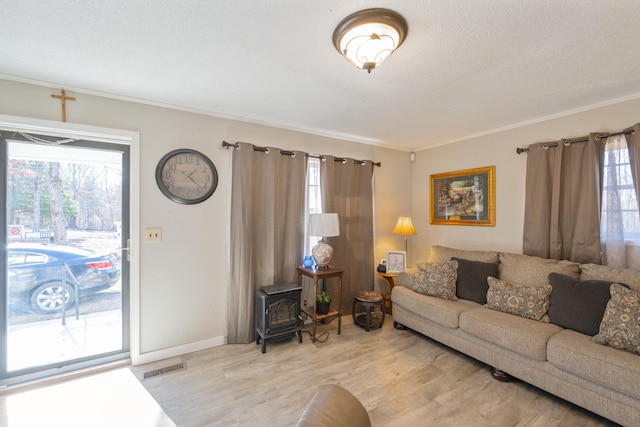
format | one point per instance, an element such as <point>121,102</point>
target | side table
<point>316,274</point>
<point>387,297</point>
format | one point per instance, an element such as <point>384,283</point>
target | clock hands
<point>191,179</point>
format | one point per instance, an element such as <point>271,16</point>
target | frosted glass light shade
<point>366,38</point>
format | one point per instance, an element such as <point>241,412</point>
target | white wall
<point>183,279</point>
<point>392,200</point>
<point>499,149</point>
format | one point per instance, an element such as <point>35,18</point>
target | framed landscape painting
<point>465,197</point>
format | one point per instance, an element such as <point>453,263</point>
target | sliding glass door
<point>64,267</point>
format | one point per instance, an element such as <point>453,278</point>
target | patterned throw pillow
<point>620,327</point>
<point>437,279</point>
<point>531,302</point>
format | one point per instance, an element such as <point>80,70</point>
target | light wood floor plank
<point>401,377</point>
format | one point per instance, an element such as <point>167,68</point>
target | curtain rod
<point>228,145</point>
<point>581,139</point>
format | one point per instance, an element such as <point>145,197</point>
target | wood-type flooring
<point>401,377</point>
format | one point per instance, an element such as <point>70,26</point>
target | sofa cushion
<point>578,305</point>
<point>524,336</point>
<point>472,279</point>
<point>443,253</point>
<point>612,274</point>
<point>531,302</point>
<point>437,279</point>
<point>441,311</point>
<point>620,327</point>
<point>577,354</point>
<point>533,271</point>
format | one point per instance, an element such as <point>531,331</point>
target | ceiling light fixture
<point>368,37</point>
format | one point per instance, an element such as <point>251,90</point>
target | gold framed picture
<point>466,197</point>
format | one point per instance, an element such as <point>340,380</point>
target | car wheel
<point>47,297</point>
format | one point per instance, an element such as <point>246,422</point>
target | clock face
<point>186,176</point>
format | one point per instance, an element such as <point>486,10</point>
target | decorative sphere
<point>308,261</point>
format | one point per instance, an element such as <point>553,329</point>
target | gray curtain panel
<point>562,202</point>
<point>347,190</point>
<point>633,143</point>
<point>267,229</point>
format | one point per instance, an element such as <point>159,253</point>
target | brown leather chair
<point>333,406</point>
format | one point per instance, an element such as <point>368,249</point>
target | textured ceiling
<point>467,67</point>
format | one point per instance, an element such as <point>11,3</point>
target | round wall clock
<point>186,176</point>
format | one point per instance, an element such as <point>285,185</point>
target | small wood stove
<point>278,312</point>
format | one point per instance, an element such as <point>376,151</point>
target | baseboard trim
<point>167,353</point>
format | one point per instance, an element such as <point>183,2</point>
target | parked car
<point>36,274</point>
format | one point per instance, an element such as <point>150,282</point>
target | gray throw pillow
<point>620,327</point>
<point>472,279</point>
<point>578,305</point>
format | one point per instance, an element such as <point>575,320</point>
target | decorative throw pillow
<point>620,327</point>
<point>531,302</point>
<point>578,305</point>
<point>437,279</point>
<point>472,279</point>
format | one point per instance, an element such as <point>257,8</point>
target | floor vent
<point>163,371</point>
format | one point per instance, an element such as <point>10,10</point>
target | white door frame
<point>114,136</point>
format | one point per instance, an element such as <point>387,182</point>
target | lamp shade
<point>324,225</point>
<point>368,37</point>
<point>405,226</point>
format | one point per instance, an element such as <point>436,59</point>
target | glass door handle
<point>127,250</point>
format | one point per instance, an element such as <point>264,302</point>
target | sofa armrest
<point>333,406</point>
<point>406,278</point>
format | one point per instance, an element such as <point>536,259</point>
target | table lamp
<point>323,225</point>
<point>405,226</point>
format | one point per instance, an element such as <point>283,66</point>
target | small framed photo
<point>396,261</point>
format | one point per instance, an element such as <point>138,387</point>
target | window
<point>314,198</point>
<point>19,259</point>
<point>620,219</point>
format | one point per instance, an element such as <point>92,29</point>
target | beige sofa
<point>561,361</point>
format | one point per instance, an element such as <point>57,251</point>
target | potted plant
<point>323,301</point>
